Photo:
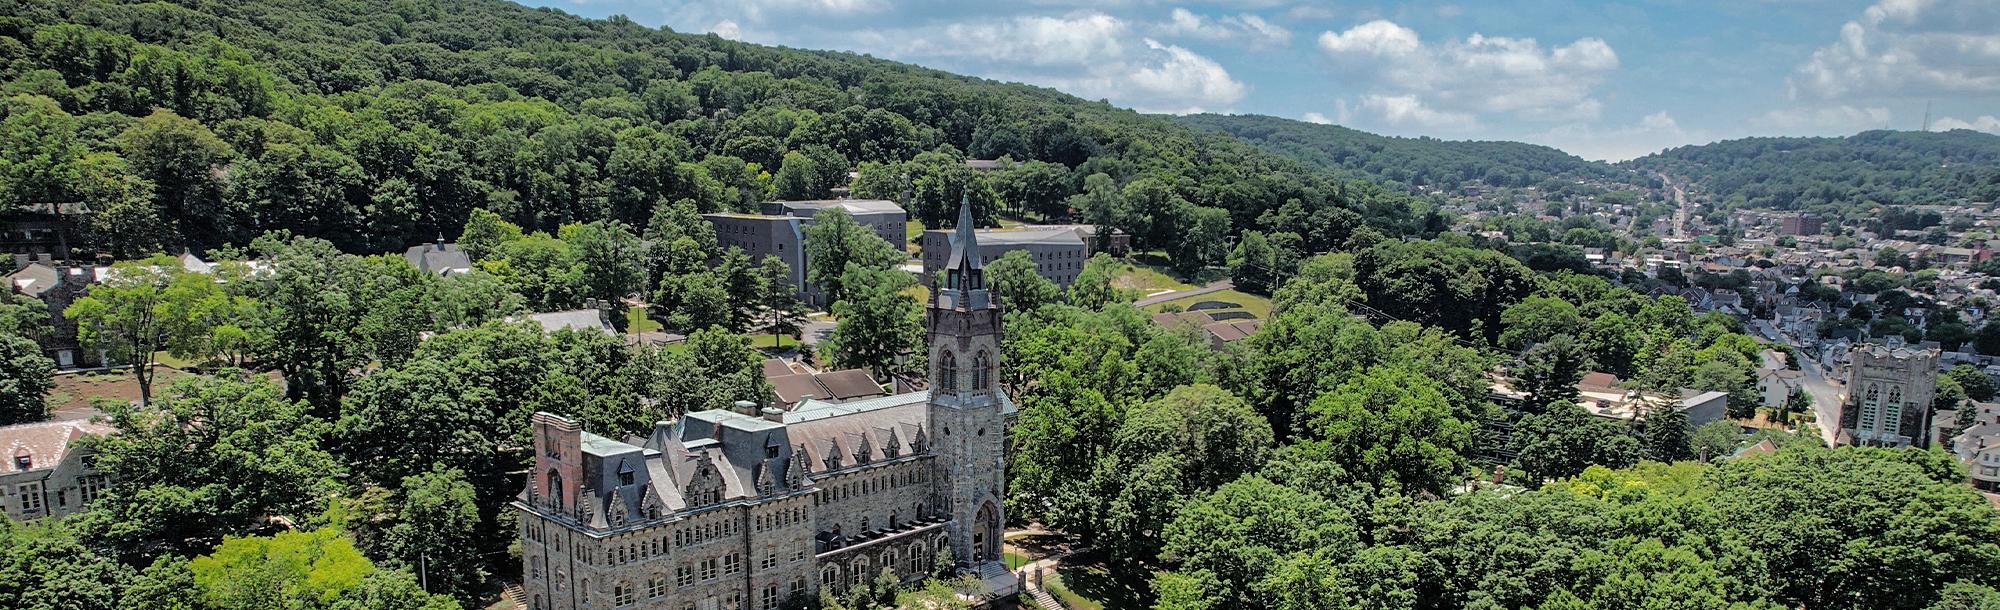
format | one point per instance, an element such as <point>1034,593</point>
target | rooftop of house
<point>40,446</point>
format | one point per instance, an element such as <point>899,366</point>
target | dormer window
<point>23,462</point>
<point>625,474</point>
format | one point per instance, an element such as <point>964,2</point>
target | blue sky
<point>1603,80</point>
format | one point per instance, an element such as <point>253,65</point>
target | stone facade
<point>44,473</point>
<point>1888,396</point>
<point>759,509</point>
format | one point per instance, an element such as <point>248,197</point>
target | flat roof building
<point>1059,252</point>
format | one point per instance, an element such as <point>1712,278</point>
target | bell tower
<point>965,405</point>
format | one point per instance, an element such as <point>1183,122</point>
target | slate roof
<point>438,258</point>
<point>45,444</point>
<point>576,319</point>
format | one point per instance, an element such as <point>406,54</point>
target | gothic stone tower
<point>965,405</point>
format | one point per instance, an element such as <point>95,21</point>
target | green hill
<point>1858,171</point>
<point>1410,161</point>
<point>379,123</point>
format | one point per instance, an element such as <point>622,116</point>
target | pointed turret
<point>964,274</point>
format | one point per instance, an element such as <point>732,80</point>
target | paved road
<point>1216,286</point>
<point>1826,393</point>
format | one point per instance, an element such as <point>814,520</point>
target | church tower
<point>966,406</point>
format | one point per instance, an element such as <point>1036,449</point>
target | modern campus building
<point>780,231</point>
<point>1059,252</point>
<point>757,509</point>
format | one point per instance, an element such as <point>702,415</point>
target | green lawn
<point>1147,279</point>
<point>636,321</point>
<point>911,230</point>
<point>776,342</point>
<point>1256,305</point>
<point>1014,560</point>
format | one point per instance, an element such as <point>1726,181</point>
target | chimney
<point>746,407</point>
<point>774,414</point>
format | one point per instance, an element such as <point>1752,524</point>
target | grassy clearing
<point>1255,305</point>
<point>911,231</point>
<point>1147,279</point>
<point>773,342</point>
<point>637,322</point>
<point>1015,560</point>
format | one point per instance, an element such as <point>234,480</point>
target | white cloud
<point>1987,123</point>
<point>1408,111</point>
<point>1650,134</point>
<point>1246,28</point>
<point>1089,54</point>
<point>1823,120</point>
<point>727,29</point>
<point>1907,47</point>
<point>759,11</point>
<point>1316,118</point>
<point>1380,37</point>
<point>1458,80</point>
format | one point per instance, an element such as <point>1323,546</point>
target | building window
<point>656,587</point>
<point>731,564</point>
<point>31,496</point>
<point>948,371</point>
<point>770,597</point>
<point>982,371</point>
<point>22,463</point>
<point>770,561</point>
<point>708,568</point>
<point>685,574</point>
<point>621,595</point>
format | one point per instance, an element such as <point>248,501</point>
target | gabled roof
<point>45,444</point>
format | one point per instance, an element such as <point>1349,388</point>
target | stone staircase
<point>514,593</point>
<point>1040,598</point>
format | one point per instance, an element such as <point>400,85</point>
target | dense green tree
<point>150,305</point>
<point>484,233</point>
<point>1977,384</point>
<point>1537,319</point>
<point>26,376</point>
<point>879,328</point>
<point>834,241</point>
<point>309,570</point>
<point>1253,265</point>
<point>716,370</point>
<point>1666,434</point>
<point>1717,439</point>
<point>1548,374</point>
<point>1095,285</point>
<point>1392,429</point>
<point>1246,530</point>
<point>779,310</point>
<point>1564,440</point>
<point>180,157</point>
<point>1018,285</point>
<point>608,255</point>
<point>209,459</point>
<point>436,534</point>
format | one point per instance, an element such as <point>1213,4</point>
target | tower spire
<point>964,275</point>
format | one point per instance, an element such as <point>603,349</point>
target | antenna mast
<point>1927,116</point>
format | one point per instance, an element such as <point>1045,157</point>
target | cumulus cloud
<point>1247,29</point>
<point>1316,118</point>
<point>1089,54</point>
<point>1905,47</point>
<point>1987,123</point>
<point>1408,111</point>
<point>1451,83</point>
<point>727,29</point>
<point>1823,120</point>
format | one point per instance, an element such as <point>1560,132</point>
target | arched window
<point>948,372</point>
<point>859,574</point>
<point>829,577</point>
<point>555,490</point>
<point>982,371</point>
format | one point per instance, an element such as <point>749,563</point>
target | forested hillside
<point>378,123</point>
<point>1863,170</point>
<point>1409,161</point>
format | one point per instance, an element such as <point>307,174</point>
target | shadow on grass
<point>1090,577</point>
